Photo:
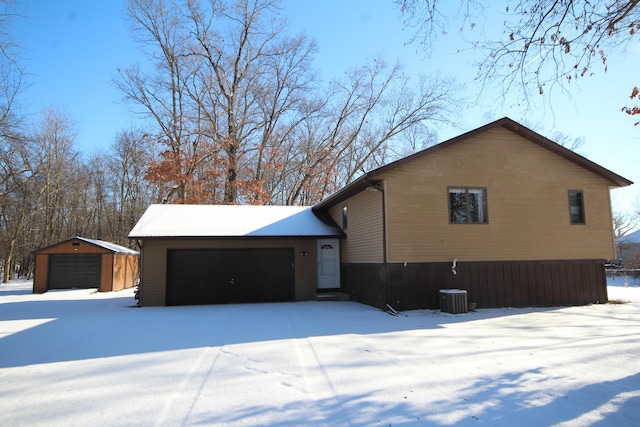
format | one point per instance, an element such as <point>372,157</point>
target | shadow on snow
<point>96,326</point>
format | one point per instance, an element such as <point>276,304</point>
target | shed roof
<point>111,247</point>
<point>369,179</point>
<point>228,221</point>
<point>630,238</point>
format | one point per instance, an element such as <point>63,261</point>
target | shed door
<point>221,276</point>
<point>74,271</point>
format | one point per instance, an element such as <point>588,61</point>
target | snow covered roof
<point>630,238</point>
<point>102,244</point>
<point>232,221</point>
<point>109,246</point>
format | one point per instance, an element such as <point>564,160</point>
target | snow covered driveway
<point>79,358</point>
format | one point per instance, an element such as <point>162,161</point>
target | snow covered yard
<point>76,357</point>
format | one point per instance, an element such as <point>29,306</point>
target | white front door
<point>328,263</point>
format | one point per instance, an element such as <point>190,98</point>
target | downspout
<point>379,186</point>
<point>140,269</point>
<point>384,246</point>
<point>384,225</point>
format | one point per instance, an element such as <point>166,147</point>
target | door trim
<point>329,281</point>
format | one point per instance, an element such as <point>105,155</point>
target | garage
<point>74,271</point>
<point>81,263</point>
<point>223,276</point>
<point>225,254</point>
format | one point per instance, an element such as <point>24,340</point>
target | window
<point>576,206</point>
<point>468,206</point>
<point>345,214</point>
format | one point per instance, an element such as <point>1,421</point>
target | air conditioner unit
<point>453,301</point>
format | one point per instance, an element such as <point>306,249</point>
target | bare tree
<point>53,159</point>
<point>129,193</point>
<point>361,126</point>
<point>624,223</point>
<point>13,172</point>
<point>16,200</point>
<point>161,94</point>
<point>544,43</point>
<point>571,142</point>
<point>226,78</point>
<point>256,81</point>
<point>50,193</point>
<point>11,72</point>
<point>242,116</point>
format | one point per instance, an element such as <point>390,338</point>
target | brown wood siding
<point>125,271</point>
<point>365,283</point>
<point>527,191</point>
<point>154,263</point>
<point>364,241</point>
<point>40,275</point>
<point>489,284</point>
<point>106,274</point>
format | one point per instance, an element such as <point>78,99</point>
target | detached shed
<point>85,263</point>
<point>629,249</point>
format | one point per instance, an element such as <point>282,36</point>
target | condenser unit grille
<point>453,301</point>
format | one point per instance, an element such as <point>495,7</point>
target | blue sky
<point>73,48</point>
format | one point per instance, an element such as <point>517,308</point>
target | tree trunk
<point>7,262</point>
<point>230,186</point>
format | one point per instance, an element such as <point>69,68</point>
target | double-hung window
<point>468,205</point>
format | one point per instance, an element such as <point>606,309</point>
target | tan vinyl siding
<point>153,274</point>
<point>528,208</point>
<point>364,242</point>
<point>154,263</point>
<point>335,213</point>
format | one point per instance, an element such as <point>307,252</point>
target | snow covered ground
<point>76,357</point>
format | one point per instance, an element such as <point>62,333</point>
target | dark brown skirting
<point>490,284</point>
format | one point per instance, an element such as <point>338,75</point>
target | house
<point>526,221</point>
<point>211,254</point>
<point>629,249</point>
<point>85,263</point>
<point>501,212</point>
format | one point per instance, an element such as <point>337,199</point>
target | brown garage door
<point>74,271</point>
<point>221,276</point>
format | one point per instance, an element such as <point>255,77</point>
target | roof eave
<point>82,239</point>
<point>363,182</point>
<point>243,237</point>
<point>615,179</point>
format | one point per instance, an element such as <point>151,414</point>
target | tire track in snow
<point>179,406</point>
<point>317,382</point>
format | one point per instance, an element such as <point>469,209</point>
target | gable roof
<point>630,238</point>
<point>368,179</point>
<point>111,247</point>
<point>229,221</point>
